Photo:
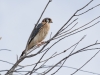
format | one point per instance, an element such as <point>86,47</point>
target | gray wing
<point>35,32</point>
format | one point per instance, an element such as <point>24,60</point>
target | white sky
<point>18,17</point>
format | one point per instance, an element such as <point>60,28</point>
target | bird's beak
<point>51,22</point>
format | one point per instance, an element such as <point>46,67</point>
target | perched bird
<point>39,34</point>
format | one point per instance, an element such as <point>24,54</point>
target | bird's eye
<point>47,20</point>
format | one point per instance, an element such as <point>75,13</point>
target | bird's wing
<point>35,32</point>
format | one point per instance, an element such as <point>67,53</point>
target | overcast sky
<point>18,17</point>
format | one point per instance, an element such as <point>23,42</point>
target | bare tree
<point>60,35</point>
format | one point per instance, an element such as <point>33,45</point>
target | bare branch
<point>40,66</point>
<point>38,62</point>
<point>85,6</point>
<point>86,63</point>
<point>69,54</point>
<point>69,29</point>
<point>88,10</point>
<point>5,50</point>
<point>81,50</point>
<point>68,25</point>
<point>7,62</point>
<point>80,27</point>
<point>56,54</point>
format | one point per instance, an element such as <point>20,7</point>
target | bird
<point>38,34</point>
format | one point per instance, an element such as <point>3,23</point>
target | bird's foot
<point>41,43</point>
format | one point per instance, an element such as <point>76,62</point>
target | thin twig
<point>59,67</point>
<point>7,62</point>
<point>69,54</point>
<point>88,10</point>
<point>72,68</point>
<point>69,29</point>
<point>45,62</point>
<point>68,25</point>
<point>5,50</point>
<point>81,50</point>
<point>79,27</point>
<point>85,6</point>
<point>33,70</point>
<point>86,63</point>
<point>50,57</point>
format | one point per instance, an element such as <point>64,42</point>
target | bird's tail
<point>24,52</point>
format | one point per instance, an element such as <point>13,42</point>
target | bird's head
<point>48,20</point>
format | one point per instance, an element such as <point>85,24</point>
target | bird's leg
<point>39,44</point>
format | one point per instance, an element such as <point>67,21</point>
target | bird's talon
<point>43,42</point>
<point>39,44</point>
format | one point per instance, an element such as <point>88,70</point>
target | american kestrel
<point>39,34</point>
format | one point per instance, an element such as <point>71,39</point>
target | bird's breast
<point>42,33</point>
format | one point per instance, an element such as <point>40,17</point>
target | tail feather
<point>22,53</point>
